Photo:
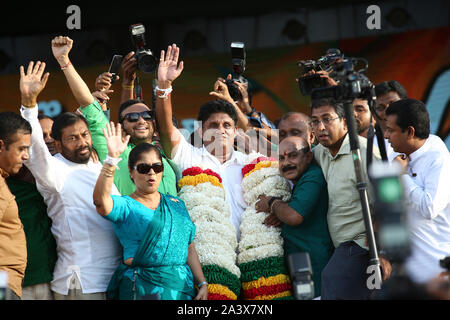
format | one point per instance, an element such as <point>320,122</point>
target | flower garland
<point>215,238</point>
<point>261,255</point>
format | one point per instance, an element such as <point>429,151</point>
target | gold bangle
<point>128,87</point>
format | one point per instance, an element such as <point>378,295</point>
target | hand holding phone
<point>114,67</point>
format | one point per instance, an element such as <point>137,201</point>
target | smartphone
<point>115,65</point>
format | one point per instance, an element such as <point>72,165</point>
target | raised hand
<point>169,69</point>
<point>32,83</point>
<point>103,81</point>
<point>116,144</point>
<point>221,91</point>
<point>61,47</point>
<point>129,68</point>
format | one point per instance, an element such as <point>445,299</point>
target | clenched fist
<point>61,47</point>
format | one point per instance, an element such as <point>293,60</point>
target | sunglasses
<point>144,168</point>
<point>134,116</point>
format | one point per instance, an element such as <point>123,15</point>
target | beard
<point>75,155</point>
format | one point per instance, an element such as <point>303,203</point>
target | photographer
<point>344,277</point>
<point>426,175</point>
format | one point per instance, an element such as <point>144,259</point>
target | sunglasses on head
<point>134,116</point>
<point>144,168</point>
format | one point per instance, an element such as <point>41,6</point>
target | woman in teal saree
<point>155,230</point>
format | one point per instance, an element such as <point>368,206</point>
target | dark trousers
<point>345,275</point>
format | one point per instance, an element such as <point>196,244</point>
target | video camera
<point>146,62</point>
<point>307,83</point>
<point>351,84</point>
<point>389,211</point>
<point>238,63</point>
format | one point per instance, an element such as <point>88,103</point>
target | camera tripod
<point>361,185</point>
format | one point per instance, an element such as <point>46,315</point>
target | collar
<point>3,173</point>
<point>344,149</point>
<point>422,150</point>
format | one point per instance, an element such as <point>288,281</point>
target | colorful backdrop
<point>420,60</point>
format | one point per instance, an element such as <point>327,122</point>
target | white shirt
<point>390,153</point>
<point>427,192</point>
<point>86,243</point>
<point>188,156</point>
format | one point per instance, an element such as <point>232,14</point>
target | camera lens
<point>146,62</point>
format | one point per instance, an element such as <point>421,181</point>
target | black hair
<point>11,123</point>
<point>136,152</point>
<point>411,112</point>
<point>216,106</point>
<point>388,86</point>
<point>337,106</point>
<point>63,121</point>
<point>129,103</point>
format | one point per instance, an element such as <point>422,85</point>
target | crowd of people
<point>89,208</point>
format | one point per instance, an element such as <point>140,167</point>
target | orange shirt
<point>13,247</point>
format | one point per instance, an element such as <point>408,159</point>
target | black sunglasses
<point>134,116</point>
<point>144,168</point>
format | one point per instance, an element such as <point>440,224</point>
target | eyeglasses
<point>134,116</point>
<point>324,121</point>
<point>144,168</point>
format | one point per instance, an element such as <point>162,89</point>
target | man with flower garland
<point>304,216</point>
<point>218,131</point>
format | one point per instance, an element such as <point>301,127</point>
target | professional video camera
<point>351,84</point>
<point>238,64</point>
<point>309,82</point>
<point>146,62</point>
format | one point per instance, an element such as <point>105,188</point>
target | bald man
<point>304,217</point>
<point>296,124</point>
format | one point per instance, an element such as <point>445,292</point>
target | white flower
<point>206,189</point>
<point>260,253</point>
<point>219,255</point>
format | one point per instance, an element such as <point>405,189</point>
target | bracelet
<point>112,161</point>
<point>166,92</point>
<point>66,66</point>
<point>107,173</point>
<point>271,200</point>
<point>273,203</point>
<point>131,87</point>
<point>201,284</point>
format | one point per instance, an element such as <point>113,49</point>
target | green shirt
<point>41,246</point>
<point>310,200</point>
<point>345,219</point>
<point>97,121</point>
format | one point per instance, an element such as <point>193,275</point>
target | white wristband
<point>165,95</point>
<point>112,161</point>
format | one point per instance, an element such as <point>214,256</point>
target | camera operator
<point>426,175</point>
<point>363,116</point>
<point>387,92</point>
<point>344,277</point>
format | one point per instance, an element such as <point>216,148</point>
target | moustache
<point>287,168</point>
<point>83,148</point>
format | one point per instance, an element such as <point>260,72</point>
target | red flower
<point>193,171</point>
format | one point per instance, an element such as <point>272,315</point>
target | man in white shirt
<point>218,130</point>
<point>88,250</point>
<point>426,181</point>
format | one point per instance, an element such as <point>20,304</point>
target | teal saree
<point>159,264</point>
